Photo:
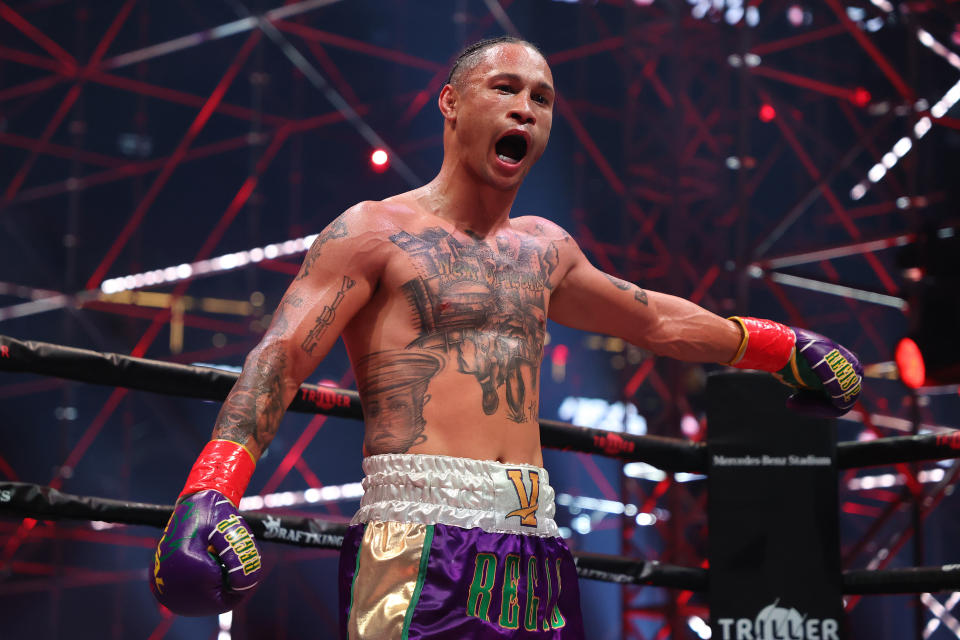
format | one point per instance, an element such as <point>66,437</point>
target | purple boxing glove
<point>206,562</point>
<point>827,375</point>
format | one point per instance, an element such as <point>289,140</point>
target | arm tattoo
<point>326,317</point>
<point>255,404</point>
<point>548,264</point>
<point>337,229</point>
<point>638,294</point>
<point>617,282</point>
<point>280,322</point>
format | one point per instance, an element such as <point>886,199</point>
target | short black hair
<point>470,56</point>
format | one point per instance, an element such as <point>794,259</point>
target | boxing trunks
<point>446,547</point>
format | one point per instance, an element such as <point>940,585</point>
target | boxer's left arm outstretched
<point>827,376</point>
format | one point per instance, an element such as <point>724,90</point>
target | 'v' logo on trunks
<point>528,504</point>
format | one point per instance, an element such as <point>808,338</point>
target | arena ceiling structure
<point>165,165</point>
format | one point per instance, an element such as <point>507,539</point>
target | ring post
<point>774,546</point>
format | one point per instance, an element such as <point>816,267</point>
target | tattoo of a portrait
<point>393,388</point>
<point>255,404</point>
<point>336,229</point>
<point>326,317</point>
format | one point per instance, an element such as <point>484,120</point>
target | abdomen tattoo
<point>393,388</point>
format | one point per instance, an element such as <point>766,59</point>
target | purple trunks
<point>447,547</point>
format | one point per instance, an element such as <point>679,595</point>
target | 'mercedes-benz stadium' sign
<point>766,460</point>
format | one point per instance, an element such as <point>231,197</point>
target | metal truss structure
<point>723,151</point>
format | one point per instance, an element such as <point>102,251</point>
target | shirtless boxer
<point>442,300</point>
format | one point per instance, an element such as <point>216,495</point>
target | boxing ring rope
<point>36,501</point>
<point>45,503</point>
<point>206,383</point>
<point>669,454</point>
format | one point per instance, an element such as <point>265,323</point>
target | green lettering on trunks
<point>531,611</point>
<point>484,575</point>
<point>556,619</point>
<point>540,611</point>
<point>509,606</point>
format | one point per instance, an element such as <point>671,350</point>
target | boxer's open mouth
<point>511,148</point>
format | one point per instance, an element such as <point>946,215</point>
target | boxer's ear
<point>449,102</point>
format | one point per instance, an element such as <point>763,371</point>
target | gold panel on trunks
<point>386,578</point>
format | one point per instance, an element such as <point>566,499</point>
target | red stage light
<point>795,15</point>
<point>767,112</point>
<point>910,363</point>
<point>558,362</point>
<point>560,354</point>
<point>379,160</point>
<point>861,97</point>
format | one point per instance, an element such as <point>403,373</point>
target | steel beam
<point>27,29</point>
<point>70,98</point>
<point>871,49</point>
<point>172,163</point>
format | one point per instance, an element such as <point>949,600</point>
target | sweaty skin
<point>442,298</point>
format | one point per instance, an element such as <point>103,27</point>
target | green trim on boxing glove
<point>798,374</point>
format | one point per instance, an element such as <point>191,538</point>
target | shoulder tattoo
<point>336,229</point>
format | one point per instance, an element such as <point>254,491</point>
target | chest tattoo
<point>484,305</point>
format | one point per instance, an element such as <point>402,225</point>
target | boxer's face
<point>502,114</point>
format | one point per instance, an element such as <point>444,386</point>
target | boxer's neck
<point>461,197</point>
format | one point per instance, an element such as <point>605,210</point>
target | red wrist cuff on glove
<point>223,466</point>
<point>766,345</point>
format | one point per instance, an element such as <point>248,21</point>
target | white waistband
<point>496,497</point>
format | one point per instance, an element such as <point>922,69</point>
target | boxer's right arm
<point>206,561</point>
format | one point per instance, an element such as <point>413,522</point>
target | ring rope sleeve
<point>41,502</point>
